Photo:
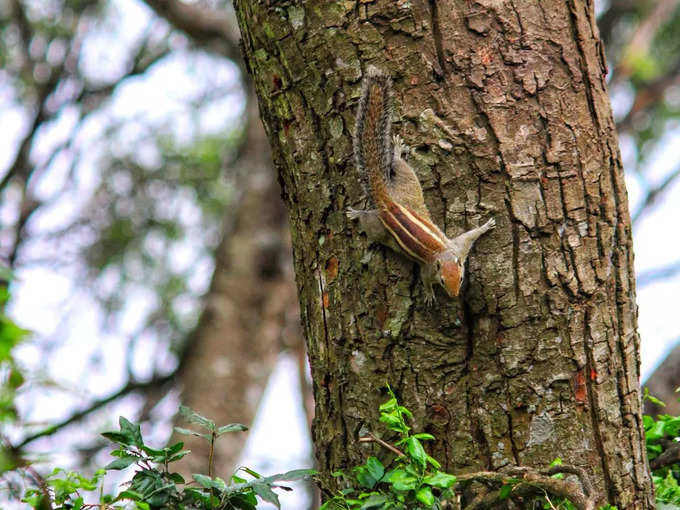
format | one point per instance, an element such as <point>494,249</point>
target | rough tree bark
<point>505,107</point>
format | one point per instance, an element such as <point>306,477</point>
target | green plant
<point>12,377</point>
<point>154,484</point>
<point>662,438</point>
<point>413,480</point>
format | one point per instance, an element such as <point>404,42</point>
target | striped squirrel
<point>399,217</point>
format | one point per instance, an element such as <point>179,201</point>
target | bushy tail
<point>372,136</point>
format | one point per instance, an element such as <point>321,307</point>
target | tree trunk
<point>250,311</point>
<point>505,107</point>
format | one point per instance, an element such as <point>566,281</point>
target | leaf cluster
<point>412,480</point>
<point>154,485</point>
<point>662,434</point>
<point>12,377</point>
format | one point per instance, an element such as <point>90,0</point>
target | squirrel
<point>399,217</point>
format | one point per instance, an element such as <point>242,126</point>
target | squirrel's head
<point>449,272</point>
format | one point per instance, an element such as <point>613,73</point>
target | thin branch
<point>649,95</point>
<point>653,194</point>
<point>643,35</point>
<point>659,273</point>
<point>536,479</point>
<point>97,404</point>
<point>202,24</point>
<point>371,438</point>
<point>669,457</point>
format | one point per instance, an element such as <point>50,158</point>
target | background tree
<point>164,192</point>
<point>508,114</point>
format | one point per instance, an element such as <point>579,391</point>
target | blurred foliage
<point>153,485</point>
<point>12,377</point>
<point>128,205</point>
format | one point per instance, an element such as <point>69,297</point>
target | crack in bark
<point>511,430</point>
<point>590,389</point>
<point>475,428</point>
<point>437,36</point>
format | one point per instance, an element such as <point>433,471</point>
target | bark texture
<point>506,111</point>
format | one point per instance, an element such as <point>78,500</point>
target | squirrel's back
<point>372,137</point>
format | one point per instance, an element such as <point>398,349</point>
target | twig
<point>535,479</point>
<point>653,194</point>
<point>371,438</point>
<point>670,456</point>
<point>202,24</point>
<point>77,416</point>
<point>659,273</point>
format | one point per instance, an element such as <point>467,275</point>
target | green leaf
<point>203,480</point>
<point>389,406</point>
<point>128,494</point>
<point>177,478</point>
<point>251,472</point>
<point>15,379</point>
<point>193,417</point>
<point>232,427</point>
<point>132,431</point>
<point>265,493</point>
<point>116,437</point>
<point>402,481</point>
<point>652,398</point>
<point>364,477</point>
<point>374,501</point>
<point>416,451</point>
<point>175,447</point>
<point>392,422</point>
<point>440,479</point>
<point>188,432</point>
<point>423,436</point>
<point>375,468</point>
<point>505,491</point>
<point>647,421</point>
<point>209,483</point>
<point>122,462</point>
<point>671,426</point>
<point>655,432</point>
<point>178,456</point>
<point>405,411</point>
<point>425,496</point>
<point>434,462</point>
<point>293,475</point>
<point>242,501</point>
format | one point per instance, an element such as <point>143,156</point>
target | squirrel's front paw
<point>399,146</point>
<point>430,300</point>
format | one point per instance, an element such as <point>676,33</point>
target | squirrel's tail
<point>372,137</point>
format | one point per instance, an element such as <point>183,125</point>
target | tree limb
<point>203,25</point>
<point>669,457</point>
<point>130,387</point>
<point>653,194</point>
